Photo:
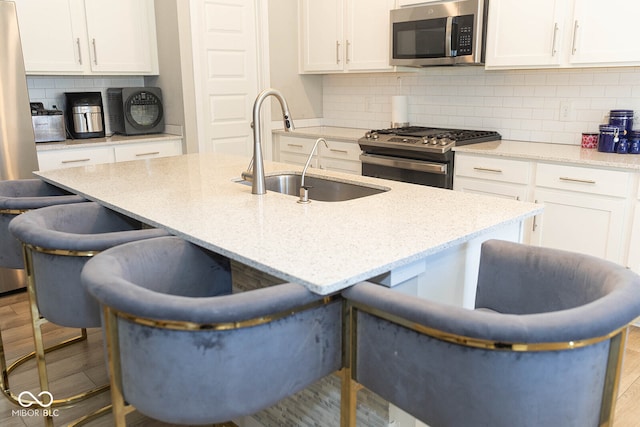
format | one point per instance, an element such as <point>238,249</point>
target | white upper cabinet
<point>344,35</point>
<point>562,33</point>
<point>88,36</point>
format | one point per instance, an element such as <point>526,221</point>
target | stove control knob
<point>445,141</point>
<point>434,141</point>
<point>374,135</point>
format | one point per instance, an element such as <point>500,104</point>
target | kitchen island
<point>421,240</point>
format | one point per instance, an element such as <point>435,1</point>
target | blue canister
<point>622,118</point>
<point>623,146</point>
<point>634,142</point>
<point>609,137</point>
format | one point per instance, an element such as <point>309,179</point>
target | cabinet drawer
<point>341,150</point>
<point>147,150</point>
<point>292,144</point>
<point>586,180</point>
<point>492,168</point>
<point>66,158</point>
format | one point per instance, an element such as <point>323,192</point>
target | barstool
<point>57,242</point>
<point>182,349</point>
<point>17,197</point>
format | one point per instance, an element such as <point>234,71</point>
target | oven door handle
<point>394,162</point>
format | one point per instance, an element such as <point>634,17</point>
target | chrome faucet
<point>255,171</point>
<point>304,189</point>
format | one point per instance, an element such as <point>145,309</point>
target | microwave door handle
<point>447,37</point>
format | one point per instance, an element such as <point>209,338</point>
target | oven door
<point>421,172</point>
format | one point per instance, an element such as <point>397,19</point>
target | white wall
<point>520,104</point>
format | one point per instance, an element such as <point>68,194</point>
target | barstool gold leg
<point>348,399</point>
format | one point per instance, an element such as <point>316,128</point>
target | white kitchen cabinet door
<point>367,36</point>
<point>88,37</point>
<point>122,36</point>
<point>71,157</point>
<point>147,150</point>
<point>605,32</point>
<point>339,36</point>
<point>580,222</point>
<point>490,188</point>
<point>53,36</point>
<point>525,33</point>
<point>321,35</point>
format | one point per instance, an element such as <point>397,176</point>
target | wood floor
<point>82,366</point>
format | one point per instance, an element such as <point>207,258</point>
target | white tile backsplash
<point>520,104</point>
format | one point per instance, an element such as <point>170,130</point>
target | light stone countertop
<point>330,132</point>
<point>325,246</point>
<point>554,153</point>
<point>110,140</point>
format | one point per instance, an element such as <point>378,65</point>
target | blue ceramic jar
<point>622,118</point>
<point>609,137</point>
<point>634,142</point>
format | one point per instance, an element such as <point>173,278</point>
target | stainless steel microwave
<point>440,33</point>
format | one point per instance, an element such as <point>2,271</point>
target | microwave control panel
<point>464,34</point>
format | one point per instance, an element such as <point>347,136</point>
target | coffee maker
<point>85,118</point>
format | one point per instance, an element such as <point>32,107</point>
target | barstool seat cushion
<point>209,374</point>
<point>78,227</point>
<point>21,195</point>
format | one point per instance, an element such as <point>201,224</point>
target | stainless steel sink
<point>321,189</point>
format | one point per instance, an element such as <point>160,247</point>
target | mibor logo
<point>44,399</point>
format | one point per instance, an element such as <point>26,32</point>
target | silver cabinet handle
<point>150,153</point>
<point>79,51</point>
<point>583,181</point>
<point>335,150</point>
<point>575,37</point>
<point>337,52</point>
<point>535,217</point>
<point>555,39</point>
<point>75,161</point>
<point>348,46</point>
<point>295,145</point>
<point>487,170</point>
<point>95,51</point>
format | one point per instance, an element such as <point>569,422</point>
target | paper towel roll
<point>399,111</point>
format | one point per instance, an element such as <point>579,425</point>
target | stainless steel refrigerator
<point>17,142</point>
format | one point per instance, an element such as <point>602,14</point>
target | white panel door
<point>226,73</point>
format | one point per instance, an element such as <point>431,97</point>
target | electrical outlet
<point>566,111</point>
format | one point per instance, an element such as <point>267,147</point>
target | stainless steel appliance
<point>420,155</point>
<point>84,114</point>
<point>441,33</point>
<point>17,143</point>
<point>48,125</point>
<point>135,110</point>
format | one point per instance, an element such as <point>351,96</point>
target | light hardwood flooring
<point>82,366</point>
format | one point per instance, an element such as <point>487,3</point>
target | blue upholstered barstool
<point>543,348</point>
<point>17,197</point>
<point>58,241</point>
<point>184,350</point>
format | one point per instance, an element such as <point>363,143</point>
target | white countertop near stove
<point>554,153</point>
<point>324,246</point>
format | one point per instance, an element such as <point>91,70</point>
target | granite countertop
<point>554,153</point>
<point>326,246</point>
<point>110,140</point>
<point>335,133</point>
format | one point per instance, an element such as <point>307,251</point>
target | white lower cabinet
<point>84,156</point>
<point>586,209</point>
<point>145,150</point>
<point>70,157</point>
<point>340,156</point>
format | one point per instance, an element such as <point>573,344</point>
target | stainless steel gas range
<point>420,155</point>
